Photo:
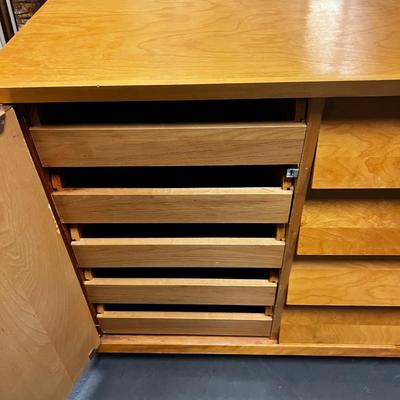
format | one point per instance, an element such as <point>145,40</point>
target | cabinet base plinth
<point>235,345</point>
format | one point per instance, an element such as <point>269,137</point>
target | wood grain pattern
<point>121,50</point>
<point>345,281</point>
<point>235,345</point>
<point>359,144</point>
<point>340,325</point>
<point>160,145</point>
<point>314,113</point>
<point>46,330</point>
<point>181,291</point>
<point>179,252</point>
<point>185,323</point>
<point>351,226</point>
<point>193,205</point>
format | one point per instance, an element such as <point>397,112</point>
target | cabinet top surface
<point>90,50</point>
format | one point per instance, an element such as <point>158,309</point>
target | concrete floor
<point>153,377</point>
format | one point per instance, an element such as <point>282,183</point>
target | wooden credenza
<point>220,184</point>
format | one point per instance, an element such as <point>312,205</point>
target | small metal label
<point>292,173</point>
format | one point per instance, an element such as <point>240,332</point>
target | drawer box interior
<point>194,200</point>
<point>191,245</point>
<point>194,205</point>
<point>147,112</point>
<point>185,320</point>
<point>171,252</point>
<point>253,132</point>
<point>182,290</point>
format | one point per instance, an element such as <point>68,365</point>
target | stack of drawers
<point>176,210</point>
<point>345,283</point>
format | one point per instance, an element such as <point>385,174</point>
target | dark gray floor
<point>150,377</point>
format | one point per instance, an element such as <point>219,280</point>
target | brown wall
<point>24,9</point>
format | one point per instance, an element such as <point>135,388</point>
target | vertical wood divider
<point>56,182</point>
<point>301,110</point>
<point>75,232</point>
<point>280,232</point>
<point>33,113</point>
<point>88,274</point>
<point>100,308</point>
<point>314,115</point>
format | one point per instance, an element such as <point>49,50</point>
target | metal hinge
<point>292,173</point>
<point>2,118</point>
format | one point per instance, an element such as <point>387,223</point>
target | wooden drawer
<point>179,252</point>
<point>181,291</point>
<point>179,205</point>
<point>359,144</point>
<point>338,281</point>
<point>185,323</point>
<point>361,223</point>
<point>340,325</point>
<point>166,144</point>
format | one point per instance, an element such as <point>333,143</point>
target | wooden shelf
<point>363,224</point>
<point>340,325</point>
<point>345,281</point>
<point>358,145</point>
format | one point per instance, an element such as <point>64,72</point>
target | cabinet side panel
<point>45,318</point>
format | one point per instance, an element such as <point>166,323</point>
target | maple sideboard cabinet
<point>224,183</point>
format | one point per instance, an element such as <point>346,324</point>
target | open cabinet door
<point>46,330</point>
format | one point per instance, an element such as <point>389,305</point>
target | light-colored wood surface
<point>340,325</point>
<point>193,205</point>
<point>351,226</point>
<point>349,281</point>
<point>181,291</point>
<point>179,252</point>
<point>315,108</point>
<point>200,144</point>
<point>124,50</point>
<point>235,345</point>
<point>359,144</point>
<point>46,330</point>
<point>185,323</point>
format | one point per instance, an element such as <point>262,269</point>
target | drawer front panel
<point>359,144</point>
<point>181,291</point>
<point>343,325</point>
<point>179,252</point>
<point>200,205</point>
<point>185,323</point>
<point>351,226</point>
<point>345,282</point>
<point>163,145</point>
